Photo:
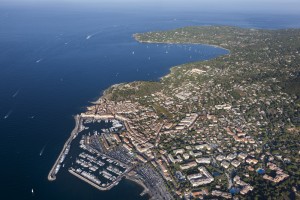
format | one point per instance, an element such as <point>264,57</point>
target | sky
<point>281,6</point>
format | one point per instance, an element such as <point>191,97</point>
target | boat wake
<point>38,60</point>
<point>8,114</point>
<point>42,150</point>
<point>92,35</point>
<point>89,37</point>
<point>16,93</point>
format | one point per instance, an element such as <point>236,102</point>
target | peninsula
<point>213,129</point>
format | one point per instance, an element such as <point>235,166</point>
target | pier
<point>94,184</point>
<point>87,180</point>
<point>53,171</point>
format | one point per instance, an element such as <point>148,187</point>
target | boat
<point>8,114</point>
<point>42,151</point>
<point>67,149</point>
<point>62,158</point>
<point>57,168</point>
<point>38,60</point>
<point>89,36</point>
<point>32,191</point>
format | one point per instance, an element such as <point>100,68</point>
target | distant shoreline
<point>103,94</point>
<point>176,43</point>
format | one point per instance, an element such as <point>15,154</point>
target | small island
<point>213,129</point>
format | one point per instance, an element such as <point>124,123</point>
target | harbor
<point>96,157</point>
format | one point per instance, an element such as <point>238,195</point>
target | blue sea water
<point>54,61</point>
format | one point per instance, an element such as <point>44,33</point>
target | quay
<point>93,184</point>
<point>88,181</point>
<point>53,171</point>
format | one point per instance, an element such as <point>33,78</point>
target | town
<point>221,128</point>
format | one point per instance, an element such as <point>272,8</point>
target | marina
<point>89,160</point>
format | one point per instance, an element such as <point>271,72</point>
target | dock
<point>87,180</point>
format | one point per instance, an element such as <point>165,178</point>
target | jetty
<point>56,166</point>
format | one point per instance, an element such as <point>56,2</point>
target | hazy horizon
<point>263,6</point>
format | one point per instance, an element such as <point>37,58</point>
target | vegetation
<point>254,89</point>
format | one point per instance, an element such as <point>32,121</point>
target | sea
<point>56,59</point>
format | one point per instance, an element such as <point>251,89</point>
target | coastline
<point>105,92</point>
<point>130,176</point>
<point>176,43</point>
<point>138,182</point>
<point>51,175</point>
<point>133,177</point>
